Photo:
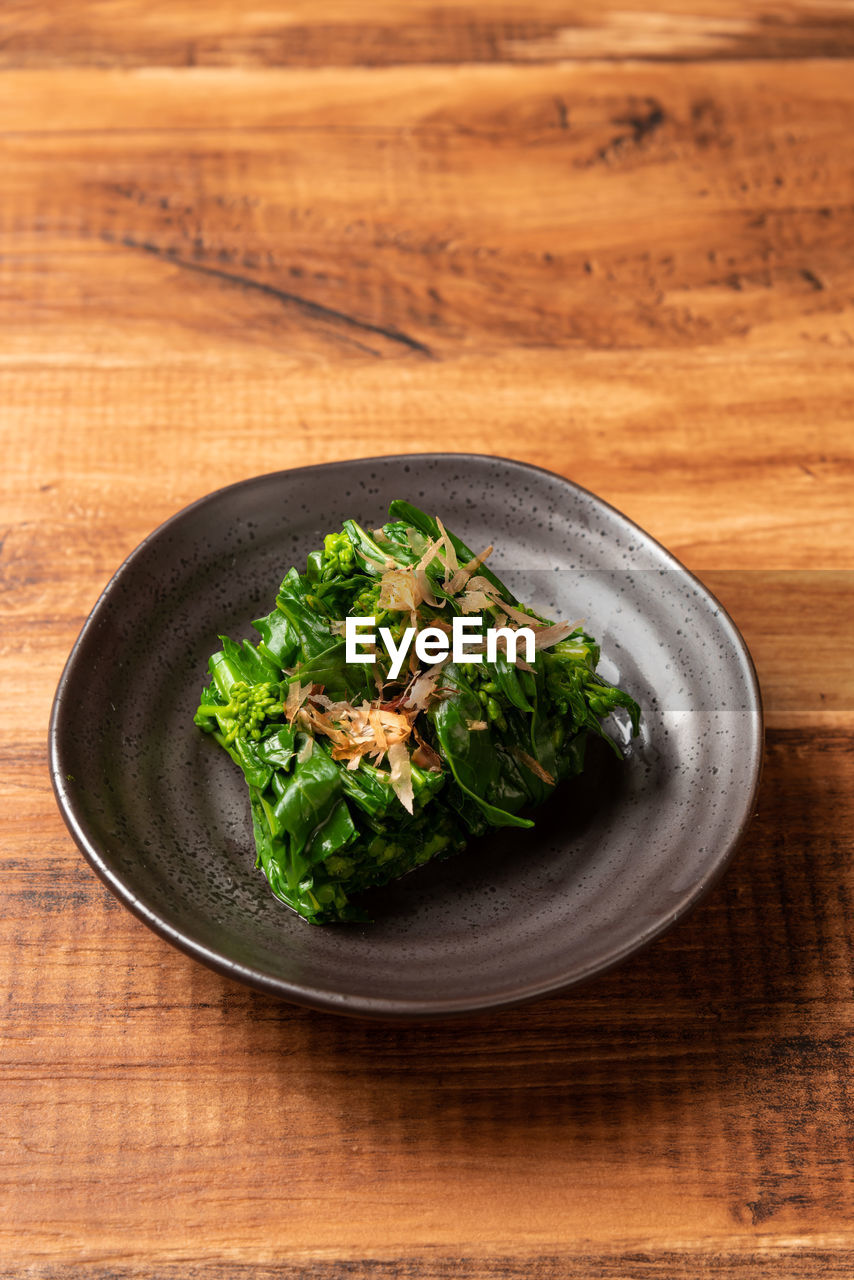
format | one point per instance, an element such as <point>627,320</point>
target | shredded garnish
<point>474,601</point>
<point>376,723</point>
<point>545,637</point>
<point>399,590</point>
<point>517,615</point>
<point>366,730</point>
<point>430,554</point>
<point>401,774</point>
<point>297,694</point>
<point>462,575</point>
<point>534,765</point>
<point>426,590</point>
<point>479,583</point>
<point>450,557</point>
<point>422,690</point>
<point>424,755</point>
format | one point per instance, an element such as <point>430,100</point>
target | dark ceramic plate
<point>162,816</point>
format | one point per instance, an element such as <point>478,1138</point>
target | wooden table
<point>610,240</point>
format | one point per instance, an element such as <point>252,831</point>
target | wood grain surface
<point>611,240</point>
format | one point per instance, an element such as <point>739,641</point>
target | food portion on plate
<point>399,702</point>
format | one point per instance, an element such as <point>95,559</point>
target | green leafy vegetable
<point>354,778</point>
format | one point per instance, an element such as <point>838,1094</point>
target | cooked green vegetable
<point>356,777</point>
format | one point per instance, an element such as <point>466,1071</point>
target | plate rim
<point>381,1008</point>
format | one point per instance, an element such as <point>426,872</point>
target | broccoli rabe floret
<point>247,709</point>
<point>366,604</point>
<point>338,556</point>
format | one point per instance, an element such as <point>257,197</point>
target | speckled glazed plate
<point>162,815</point>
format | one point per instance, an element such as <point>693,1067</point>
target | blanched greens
<point>354,778</point>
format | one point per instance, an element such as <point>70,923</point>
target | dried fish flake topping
<point>400,590</point>
<point>401,774</point>
<point>534,765</point>
<point>461,577</point>
<point>423,689</point>
<point>367,730</point>
<point>297,694</point>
